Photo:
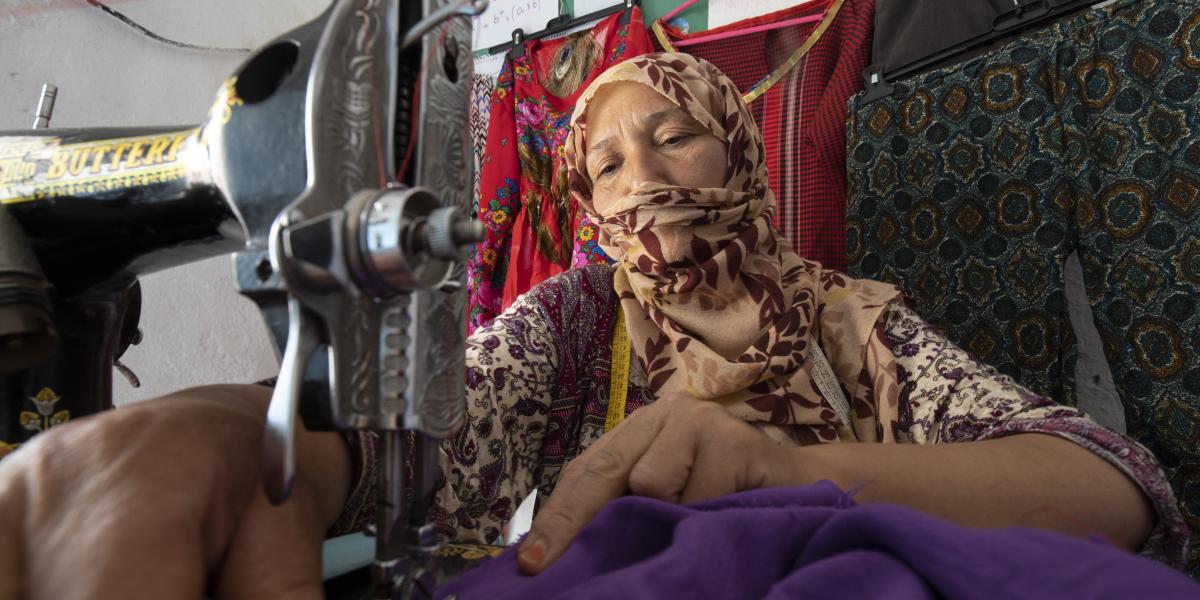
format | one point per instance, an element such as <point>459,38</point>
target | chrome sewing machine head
<point>361,272</point>
<point>352,255</point>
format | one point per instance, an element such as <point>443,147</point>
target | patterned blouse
<point>537,396</point>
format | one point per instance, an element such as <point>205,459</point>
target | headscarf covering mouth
<point>718,306</point>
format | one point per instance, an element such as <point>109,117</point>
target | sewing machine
<point>334,165</point>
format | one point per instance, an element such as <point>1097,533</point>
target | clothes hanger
<point>559,24</point>
<point>1025,14</point>
<point>729,34</point>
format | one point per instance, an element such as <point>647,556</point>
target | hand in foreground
<point>161,499</point>
<point>677,449</point>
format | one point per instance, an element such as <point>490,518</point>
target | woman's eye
<point>607,169</point>
<point>673,140</point>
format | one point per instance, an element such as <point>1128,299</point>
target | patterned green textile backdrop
<point>971,185</point>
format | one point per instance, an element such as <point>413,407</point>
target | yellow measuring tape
<point>618,385</point>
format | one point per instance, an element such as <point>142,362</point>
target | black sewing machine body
<point>307,169</point>
<point>98,208</point>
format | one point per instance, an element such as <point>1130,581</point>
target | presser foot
<point>401,579</point>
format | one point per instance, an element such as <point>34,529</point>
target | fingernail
<point>532,550</point>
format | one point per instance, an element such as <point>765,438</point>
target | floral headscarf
<point>717,304</point>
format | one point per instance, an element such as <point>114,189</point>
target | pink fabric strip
<point>728,34</point>
<point>678,9</point>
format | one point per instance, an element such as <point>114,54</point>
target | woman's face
<point>637,136</point>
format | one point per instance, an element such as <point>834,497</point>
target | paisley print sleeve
<point>947,396</point>
<point>493,461</point>
<point>359,510</point>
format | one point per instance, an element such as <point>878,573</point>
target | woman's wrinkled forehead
<point>634,105</point>
<point>686,84</point>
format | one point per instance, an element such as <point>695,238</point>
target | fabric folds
<point>815,542</point>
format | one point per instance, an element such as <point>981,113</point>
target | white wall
<point>197,329</point>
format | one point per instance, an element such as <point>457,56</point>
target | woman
<point>723,323</point>
<point>665,158</point>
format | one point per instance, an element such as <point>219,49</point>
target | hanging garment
<point>971,185</point>
<point>587,249</point>
<point>815,542</point>
<point>478,116</point>
<point>913,37</point>
<point>529,218</point>
<point>796,81</point>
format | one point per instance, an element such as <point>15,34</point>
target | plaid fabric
<point>802,115</point>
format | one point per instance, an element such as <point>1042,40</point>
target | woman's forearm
<point>1028,480</point>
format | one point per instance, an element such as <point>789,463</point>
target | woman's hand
<point>161,499</point>
<point>677,449</point>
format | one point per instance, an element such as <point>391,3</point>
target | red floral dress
<point>531,222</point>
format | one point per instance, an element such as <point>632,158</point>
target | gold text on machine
<point>39,167</point>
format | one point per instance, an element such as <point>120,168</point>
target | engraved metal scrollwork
<point>444,166</point>
<point>349,126</point>
<point>352,129</point>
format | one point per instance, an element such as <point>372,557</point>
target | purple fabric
<point>815,542</point>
